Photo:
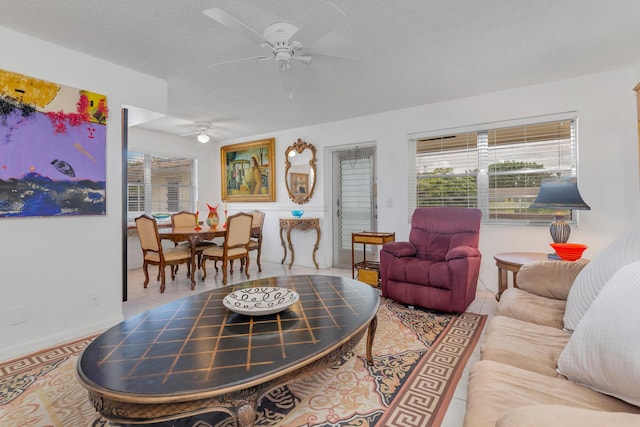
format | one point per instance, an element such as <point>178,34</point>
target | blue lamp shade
<point>560,194</point>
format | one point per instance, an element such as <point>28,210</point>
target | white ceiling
<point>409,52</point>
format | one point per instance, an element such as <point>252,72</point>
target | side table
<point>299,224</point>
<point>512,261</point>
<point>371,238</point>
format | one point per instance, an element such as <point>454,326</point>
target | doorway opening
<point>354,199</point>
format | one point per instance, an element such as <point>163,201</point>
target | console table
<point>289,224</point>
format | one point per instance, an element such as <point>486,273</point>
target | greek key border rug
<point>419,357</point>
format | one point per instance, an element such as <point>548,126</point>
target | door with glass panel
<point>354,201</point>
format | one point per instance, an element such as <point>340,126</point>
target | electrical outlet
<point>93,299</point>
<point>18,314</point>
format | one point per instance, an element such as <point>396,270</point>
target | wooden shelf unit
<point>368,271</point>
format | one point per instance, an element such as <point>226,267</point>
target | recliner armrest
<point>400,249</point>
<point>462,252</point>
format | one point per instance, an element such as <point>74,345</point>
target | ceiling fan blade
<point>259,58</point>
<point>190,133</point>
<point>304,59</point>
<point>335,59</point>
<point>324,21</point>
<point>233,24</point>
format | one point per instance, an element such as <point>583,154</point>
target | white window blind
<point>355,197</point>
<point>158,183</point>
<point>497,168</point>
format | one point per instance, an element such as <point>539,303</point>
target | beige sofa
<point>564,347</point>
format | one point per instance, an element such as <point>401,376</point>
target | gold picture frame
<point>299,184</point>
<point>248,171</point>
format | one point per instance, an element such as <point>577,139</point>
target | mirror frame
<point>299,146</point>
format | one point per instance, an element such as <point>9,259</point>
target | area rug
<point>419,356</point>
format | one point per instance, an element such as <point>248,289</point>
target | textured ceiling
<point>400,53</point>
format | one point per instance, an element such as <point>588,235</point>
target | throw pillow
<point>593,277</point>
<point>602,352</point>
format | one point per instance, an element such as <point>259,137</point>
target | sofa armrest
<point>550,279</point>
<point>565,416</point>
<point>400,249</point>
<point>462,252</point>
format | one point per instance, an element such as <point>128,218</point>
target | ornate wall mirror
<point>300,171</point>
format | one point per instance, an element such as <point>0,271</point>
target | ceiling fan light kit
<point>203,138</point>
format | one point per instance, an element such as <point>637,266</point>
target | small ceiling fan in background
<point>202,129</point>
<point>286,42</point>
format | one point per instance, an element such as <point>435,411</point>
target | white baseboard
<point>26,348</point>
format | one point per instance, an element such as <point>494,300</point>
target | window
<point>157,183</point>
<point>496,167</point>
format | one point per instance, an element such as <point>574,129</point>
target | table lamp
<point>561,194</point>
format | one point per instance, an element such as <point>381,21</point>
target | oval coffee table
<point>194,356</point>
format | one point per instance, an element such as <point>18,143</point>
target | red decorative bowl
<point>569,251</point>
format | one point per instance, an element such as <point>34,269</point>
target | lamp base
<point>559,229</point>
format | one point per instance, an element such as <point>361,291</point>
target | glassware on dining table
<point>213,219</point>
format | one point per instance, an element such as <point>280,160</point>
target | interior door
<point>353,200</point>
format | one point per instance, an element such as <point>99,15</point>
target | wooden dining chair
<point>184,219</point>
<point>255,244</point>
<point>154,254</point>
<point>236,245</point>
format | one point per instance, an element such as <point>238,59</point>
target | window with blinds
<point>157,183</point>
<point>498,169</point>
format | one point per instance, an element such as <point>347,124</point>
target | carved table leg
<point>284,247</point>
<point>290,246</point>
<point>192,246</point>
<point>315,248</point>
<point>246,412</point>
<point>371,333</point>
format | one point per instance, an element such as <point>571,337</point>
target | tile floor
<point>141,299</point>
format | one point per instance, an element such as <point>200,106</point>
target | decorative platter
<point>260,301</point>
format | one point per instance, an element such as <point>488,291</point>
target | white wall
<point>50,265</point>
<point>608,163</point>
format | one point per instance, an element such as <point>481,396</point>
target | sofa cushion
<point>565,416</point>
<point>604,350</point>
<point>523,305</point>
<point>593,277</point>
<point>495,388</point>
<point>551,279</point>
<point>524,345</point>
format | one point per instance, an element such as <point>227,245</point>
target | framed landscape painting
<point>248,171</point>
<point>52,148</point>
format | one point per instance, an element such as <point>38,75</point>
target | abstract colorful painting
<point>52,148</point>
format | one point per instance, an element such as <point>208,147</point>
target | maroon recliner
<point>438,267</point>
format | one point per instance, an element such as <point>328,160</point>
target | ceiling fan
<point>286,42</point>
<point>202,130</point>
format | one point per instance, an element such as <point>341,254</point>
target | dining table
<point>192,235</point>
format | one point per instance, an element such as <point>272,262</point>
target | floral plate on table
<point>260,301</point>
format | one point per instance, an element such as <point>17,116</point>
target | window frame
<point>484,199</point>
<point>149,194</point>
